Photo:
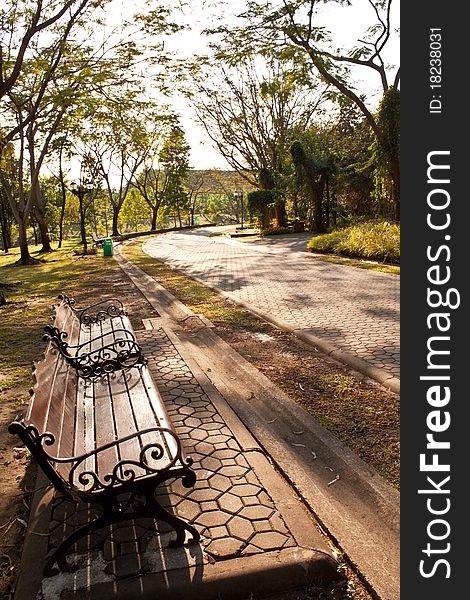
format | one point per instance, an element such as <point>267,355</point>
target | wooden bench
<point>104,437</point>
<point>98,240</point>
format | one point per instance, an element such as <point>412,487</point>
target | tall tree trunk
<point>6,233</point>
<point>43,230</point>
<point>153,226</point>
<point>35,232</point>
<point>327,204</point>
<point>62,208</point>
<point>317,189</point>
<point>63,194</point>
<point>36,195</point>
<point>115,220</point>
<point>179,214</point>
<point>395,172</point>
<point>83,239</point>
<point>25,256</point>
<point>295,205</point>
<point>280,215</point>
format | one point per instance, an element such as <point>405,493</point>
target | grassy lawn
<point>361,264</point>
<point>30,291</point>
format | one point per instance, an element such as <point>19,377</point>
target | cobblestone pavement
<point>231,507</point>
<point>355,310</point>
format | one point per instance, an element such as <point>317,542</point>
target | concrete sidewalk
<point>259,459</point>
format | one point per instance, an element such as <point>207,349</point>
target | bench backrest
<point>96,340</point>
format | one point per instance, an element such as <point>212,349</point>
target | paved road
<point>352,309</point>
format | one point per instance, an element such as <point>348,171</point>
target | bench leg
<point>59,554</point>
<point>180,526</point>
<point>109,516</point>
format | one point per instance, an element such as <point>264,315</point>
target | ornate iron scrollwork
<point>122,353</point>
<point>128,470</point>
<point>124,472</point>
<point>100,311</point>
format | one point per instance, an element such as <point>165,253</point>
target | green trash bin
<point>107,246</point>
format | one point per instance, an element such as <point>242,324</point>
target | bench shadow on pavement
<point>127,560</point>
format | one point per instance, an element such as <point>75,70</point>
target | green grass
<point>361,264</point>
<point>371,430</point>
<point>374,240</point>
<point>30,291</point>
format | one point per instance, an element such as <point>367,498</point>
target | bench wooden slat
<point>158,409</point>
<point>104,426</point>
<point>85,419</point>
<point>124,415</point>
<point>142,400</point>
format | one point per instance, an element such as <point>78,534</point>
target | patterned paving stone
<point>228,505</point>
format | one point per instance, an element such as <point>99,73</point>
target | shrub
<point>375,240</point>
<point>275,231</point>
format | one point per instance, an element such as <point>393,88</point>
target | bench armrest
<point>87,480</point>
<point>108,308</point>
<point>118,336</point>
<point>119,354</point>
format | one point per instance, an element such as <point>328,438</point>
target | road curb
<point>267,574</point>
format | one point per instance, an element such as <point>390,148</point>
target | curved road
<point>355,311</point>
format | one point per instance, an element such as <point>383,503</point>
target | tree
<point>23,20</point>
<point>174,159</point>
<point>349,141</point>
<point>151,186</point>
<point>117,138</point>
<point>61,145</point>
<point>6,222</point>
<point>314,171</point>
<point>152,181</point>
<point>7,170</point>
<point>218,193</point>
<point>288,28</point>
<point>44,72</point>
<point>31,97</point>
<point>195,185</point>
<point>135,212</point>
<point>386,155</point>
<point>86,191</point>
<point>250,110</point>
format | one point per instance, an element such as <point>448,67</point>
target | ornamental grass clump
<point>374,240</point>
